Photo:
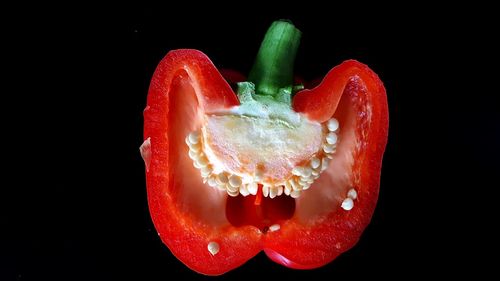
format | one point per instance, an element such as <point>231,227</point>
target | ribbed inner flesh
<point>244,144</point>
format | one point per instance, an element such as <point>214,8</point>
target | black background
<point>80,212</point>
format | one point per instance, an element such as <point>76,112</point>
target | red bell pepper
<point>316,186</point>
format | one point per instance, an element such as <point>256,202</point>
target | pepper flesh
<point>313,230</point>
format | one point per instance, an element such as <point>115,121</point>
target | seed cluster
<point>223,181</point>
<point>348,203</point>
<point>301,179</point>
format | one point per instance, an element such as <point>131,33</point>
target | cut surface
<point>243,145</point>
<point>328,192</point>
<point>191,194</point>
<point>213,232</point>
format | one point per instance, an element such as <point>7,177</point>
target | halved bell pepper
<point>292,172</point>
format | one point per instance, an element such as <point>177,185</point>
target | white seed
<point>265,190</point>
<point>305,179</point>
<point>273,191</point>
<point>329,156</point>
<point>352,194</point>
<point>187,140</point>
<point>347,204</point>
<point>324,163</point>
<point>195,147</point>
<point>193,155</point>
<point>328,148</point>
<point>310,181</point>
<point>302,181</point>
<point>274,227</point>
<point>280,190</point>
<point>288,185</point>
<point>233,193</point>
<point>145,150</point>
<point>297,171</point>
<point>244,190</point>
<point>221,178</point>
<point>196,165</point>
<point>234,180</point>
<point>315,162</point>
<point>295,194</point>
<point>332,125</point>
<point>211,181</point>
<point>194,137</point>
<point>206,171</point>
<point>315,173</point>
<point>306,172</point>
<point>306,187</point>
<point>295,185</point>
<point>231,188</point>
<point>331,138</point>
<point>287,189</point>
<point>302,171</point>
<point>213,248</point>
<point>253,188</point>
<point>202,161</point>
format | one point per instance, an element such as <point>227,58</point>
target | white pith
<point>244,145</point>
<point>293,178</point>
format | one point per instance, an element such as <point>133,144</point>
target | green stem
<point>272,72</point>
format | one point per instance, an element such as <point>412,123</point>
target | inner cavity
<point>242,211</point>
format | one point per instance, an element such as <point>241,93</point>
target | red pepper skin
<point>297,245</point>
<point>185,237</point>
<point>341,230</point>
